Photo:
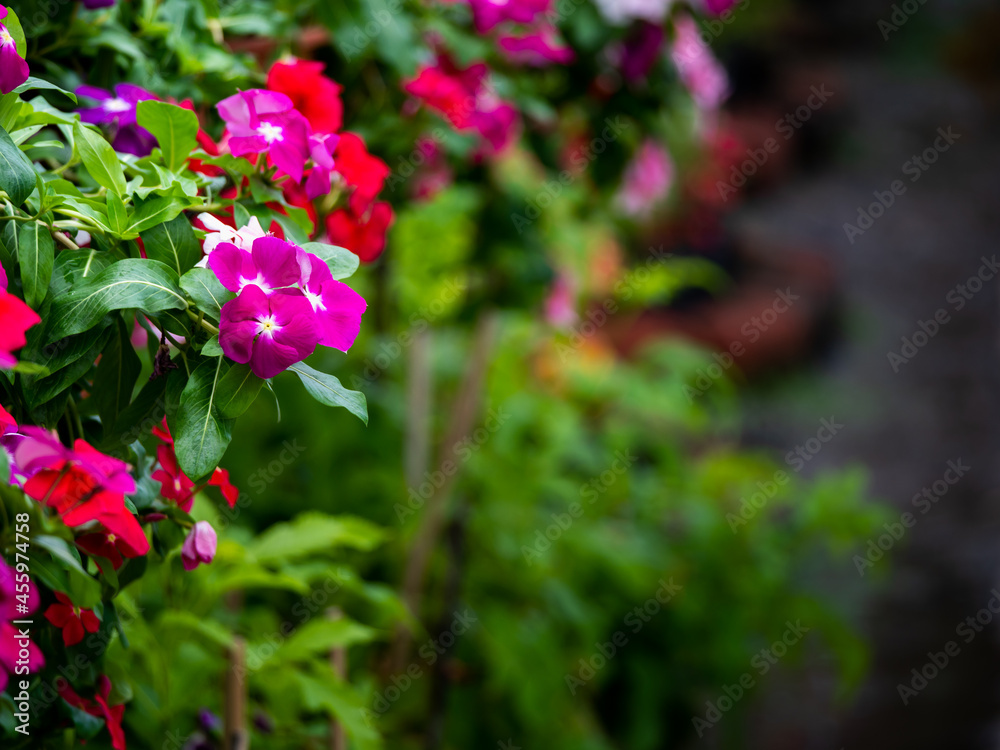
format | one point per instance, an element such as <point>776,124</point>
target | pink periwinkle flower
<point>321,149</point>
<point>538,48</point>
<point>118,111</point>
<point>700,72</point>
<point>270,333</point>
<point>270,265</point>
<point>489,13</point>
<point>466,99</point>
<point>718,7</point>
<point>199,546</point>
<point>11,642</point>
<point>647,179</point>
<point>265,122</point>
<point>13,68</point>
<point>337,307</point>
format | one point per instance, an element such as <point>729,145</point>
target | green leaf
<point>173,243</point>
<point>117,215</point>
<point>339,701</point>
<point>13,24</point>
<point>188,622</point>
<point>175,128</point>
<point>314,533</point>
<point>328,390</point>
<point>36,252</point>
<point>99,159</point>
<point>342,262</point>
<point>117,372</point>
<point>319,636</point>
<point>237,390</point>
<point>17,176</point>
<point>212,348</point>
<point>201,434</point>
<point>144,284</point>
<point>152,212</point>
<point>61,550</point>
<point>33,84</point>
<point>206,290</point>
<point>40,390</point>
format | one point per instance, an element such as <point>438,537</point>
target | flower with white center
<point>271,132</point>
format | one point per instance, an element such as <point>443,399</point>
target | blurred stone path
<point>943,405</point>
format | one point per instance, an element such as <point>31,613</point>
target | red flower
<point>174,484</point>
<point>366,239</point>
<point>73,620</point>
<point>74,493</point>
<point>366,173</point>
<point>15,318</point>
<point>98,707</point>
<point>312,93</point>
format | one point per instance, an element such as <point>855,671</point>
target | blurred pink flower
<point>647,179</point>
<point>700,72</point>
<point>265,122</point>
<point>489,13</point>
<point>199,546</point>
<point>539,47</point>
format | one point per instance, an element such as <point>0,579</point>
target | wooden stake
<point>234,723</point>
<point>338,662</point>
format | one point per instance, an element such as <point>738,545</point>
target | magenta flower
<point>488,13</point>
<point>700,72</point>
<point>265,122</point>
<point>718,7</point>
<point>95,4</point>
<point>337,307</point>
<point>641,50</point>
<point>13,68</point>
<point>271,333</point>
<point>647,179</point>
<point>11,643</point>
<point>321,148</point>
<point>199,546</point>
<point>118,111</point>
<point>539,48</point>
<point>270,265</point>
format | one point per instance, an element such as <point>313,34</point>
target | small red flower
<point>311,92</point>
<point>98,707</point>
<point>174,484</point>
<point>366,239</point>
<point>72,620</point>
<point>361,170</point>
<point>220,479</point>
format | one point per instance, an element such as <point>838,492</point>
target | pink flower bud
<point>199,547</point>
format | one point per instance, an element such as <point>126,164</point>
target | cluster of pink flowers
<point>467,100</point>
<point>13,68</point>
<point>539,45</point>
<point>699,70</point>
<point>287,301</point>
<point>294,124</point>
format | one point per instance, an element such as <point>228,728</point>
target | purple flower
<point>337,307</point>
<point>13,68</point>
<point>95,4</point>
<point>489,13</point>
<point>271,333</point>
<point>118,111</point>
<point>321,148</point>
<point>538,48</point>
<point>269,266</point>
<point>265,122</point>
<point>642,48</point>
<point>200,545</point>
